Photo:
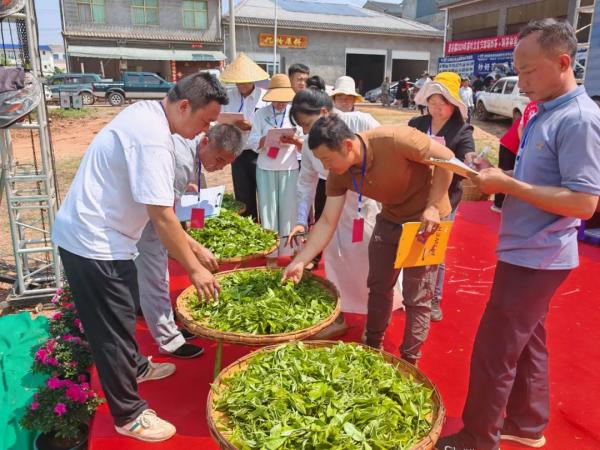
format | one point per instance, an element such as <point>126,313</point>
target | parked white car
<point>503,99</point>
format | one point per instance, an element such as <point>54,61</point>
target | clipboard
<point>274,135</point>
<point>210,201</point>
<point>412,253</point>
<point>454,165</point>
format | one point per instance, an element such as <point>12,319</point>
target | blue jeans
<point>439,284</point>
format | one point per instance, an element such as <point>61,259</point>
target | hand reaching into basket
<point>206,284</point>
<point>293,272</point>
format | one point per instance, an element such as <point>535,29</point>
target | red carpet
<point>574,342</point>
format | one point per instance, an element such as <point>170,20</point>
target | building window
<point>91,11</point>
<point>195,14</point>
<point>144,12</point>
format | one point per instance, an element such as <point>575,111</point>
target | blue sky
<point>48,14</point>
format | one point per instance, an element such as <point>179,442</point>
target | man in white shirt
<point>125,179</point>
<point>214,150</point>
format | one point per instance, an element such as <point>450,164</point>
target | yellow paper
<point>412,253</point>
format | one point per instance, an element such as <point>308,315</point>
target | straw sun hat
<point>280,89</point>
<point>345,85</point>
<point>446,84</point>
<point>243,70</point>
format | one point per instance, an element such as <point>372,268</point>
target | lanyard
<point>363,170</point>
<point>199,174</point>
<point>275,117</point>
<point>242,105</point>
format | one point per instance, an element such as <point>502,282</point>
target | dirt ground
<point>72,135</point>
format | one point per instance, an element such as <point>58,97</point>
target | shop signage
<point>283,41</point>
<point>491,44</point>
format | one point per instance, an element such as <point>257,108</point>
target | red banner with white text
<point>491,44</point>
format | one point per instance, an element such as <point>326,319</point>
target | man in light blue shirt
<point>556,182</point>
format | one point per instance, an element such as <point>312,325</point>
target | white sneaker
<point>156,371</point>
<point>529,442</point>
<point>148,427</point>
<point>496,209</point>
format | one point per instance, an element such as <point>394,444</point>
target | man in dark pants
<point>556,182</point>
<point>126,178</point>
<point>377,163</point>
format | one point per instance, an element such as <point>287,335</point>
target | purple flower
<point>59,291</point>
<point>52,362</point>
<point>76,394</point>
<point>55,299</point>
<point>41,355</point>
<point>35,405</point>
<point>60,409</point>
<point>54,383</point>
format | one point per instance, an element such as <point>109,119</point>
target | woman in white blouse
<point>277,166</point>
<point>346,263</point>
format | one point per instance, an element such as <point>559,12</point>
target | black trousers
<point>320,198</point>
<point>243,171</point>
<point>509,365</point>
<point>104,293</point>
<point>506,161</point>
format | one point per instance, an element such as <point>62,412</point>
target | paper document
<point>454,165</point>
<point>210,201</point>
<point>230,118</point>
<point>275,134</point>
<point>412,253</point>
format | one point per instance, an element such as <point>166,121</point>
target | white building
<point>11,54</point>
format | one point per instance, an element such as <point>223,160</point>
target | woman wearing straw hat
<point>446,123</point>
<point>245,98</point>
<point>344,94</point>
<point>277,167</point>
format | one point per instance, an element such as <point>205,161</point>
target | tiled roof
<point>139,33</point>
<point>297,14</point>
<point>454,3</point>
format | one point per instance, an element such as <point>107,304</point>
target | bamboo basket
<point>243,259</point>
<point>471,192</point>
<point>215,417</point>
<point>201,329</point>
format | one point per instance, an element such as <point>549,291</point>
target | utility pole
<point>275,43</point>
<point>232,29</point>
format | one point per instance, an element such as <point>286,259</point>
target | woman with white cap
<point>446,123</point>
<point>245,98</point>
<point>277,167</point>
<point>344,94</point>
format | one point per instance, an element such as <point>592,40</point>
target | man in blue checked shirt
<point>556,182</point>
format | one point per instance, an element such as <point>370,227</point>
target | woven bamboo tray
<point>202,330</point>
<point>472,193</point>
<point>214,417</point>
<point>243,259</point>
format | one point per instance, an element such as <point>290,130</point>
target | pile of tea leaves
<point>339,397</point>
<point>256,302</point>
<point>229,235</point>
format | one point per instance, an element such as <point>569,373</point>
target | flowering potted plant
<point>65,356</point>
<point>65,320</point>
<point>61,410</point>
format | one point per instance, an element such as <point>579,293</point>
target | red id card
<point>197,218</point>
<point>273,152</point>
<point>358,228</point>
